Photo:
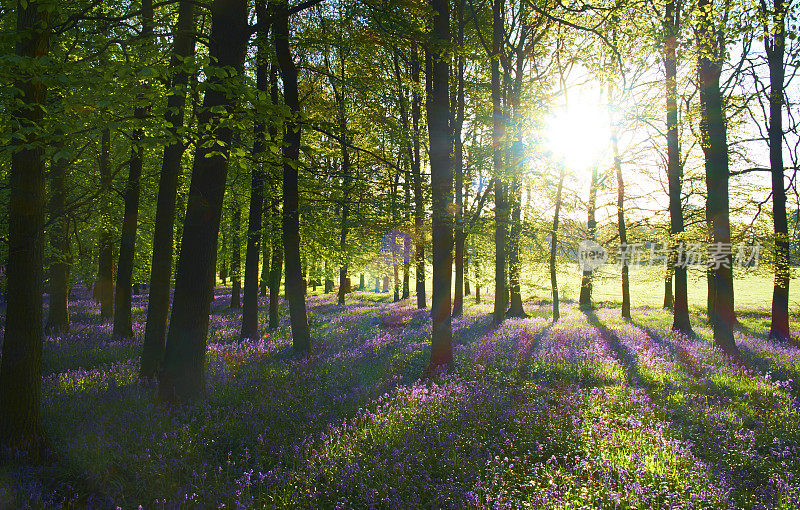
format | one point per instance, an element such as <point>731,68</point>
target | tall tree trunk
<point>441,187</point>
<point>623,232</point>
<point>61,259</point>
<point>264,281</point>
<point>155,332</point>
<point>477,280</point>
<point>680,308</point>
<point>346,183</point>
<point>466,257</point>
<point>467,288</point>
<point>223,268</point>
<point>669,273</point>
<point>407,239</point>
<point>183,372</point>
<point>517,158</point>
<point>328,281</point>
<point>123,324</point>
<point>393,240</point>
<point>458,168</point>
<point>275,282</point>
<point>270,237</point>
<point>514,263</point>
<point>775,46</point>
<point>585,299</point>
<point>250,298</point>
<point>416,173</point>
<point>104,288</point>
<point>21,365</point>
<point>713,131</point>
<point>498,139</point>
<point>554,244</point>
<point>401,100</point>
<point>295,291</point>
<point>236,256</point>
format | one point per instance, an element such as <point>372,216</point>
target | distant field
<point>647,286</point>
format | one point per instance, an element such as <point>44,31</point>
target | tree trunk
<point>441,187</point>
<point>346,183</point>
<point>775,45</point>
<point>477,282</point>
<point>554,244</point>
<point>585,299</point>
<point>236,257</point>
<point>669,298</point>
<point>275,282</point>
<point>713,133</point>
<point>250,298</point>
<point>184,361</point>
<point>623,232</point>
<point>514,263</point>
<point>467,289</point>
<point>407,240</point>
<point>295,291</point>
<point>123,324</point>
<point>416,173</point>
<point>104,288</point>
<point>223,268</point>
<point>680,308</point>
<point>61,259</point>
<point>498,136</point>
<point>517,157</point>
<point>458,169</point>
<point>264,281</point>
<point>21,364</point>
<point>155,332</point>
<point>407,184</point>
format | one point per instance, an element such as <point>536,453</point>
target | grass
<point>591,411</point>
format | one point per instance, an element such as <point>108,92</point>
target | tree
<point>58,311</point>
<point>123,325</point>
<point>21,365</point>
<point>438,106</point>
<point>775,45</point>
<point>680,305</point>
<point>585,298</point>
<point>713,131</point>
<point>623,233</point>
<point>155,332</point>
<point>250,299</point>
<point>104,286</point>
<point>498,135</point>
<point>554,244</point>
<point>184,361</point>
<point>416,175</point>
<point>458,162</point>
<point>295,289</point>
<point>236,256</point>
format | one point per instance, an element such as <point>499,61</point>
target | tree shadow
<point>525,351</point>
<point>628,361</point>
<point>678,351</point>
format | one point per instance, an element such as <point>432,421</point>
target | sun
<point>579,135</point>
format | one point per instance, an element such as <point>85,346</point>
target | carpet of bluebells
<point>590,411</point>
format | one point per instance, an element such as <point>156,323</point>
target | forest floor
<point>590,411</point>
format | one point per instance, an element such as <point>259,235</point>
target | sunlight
<point>579,135</point>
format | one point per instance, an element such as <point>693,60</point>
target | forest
<point>399,254</point>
